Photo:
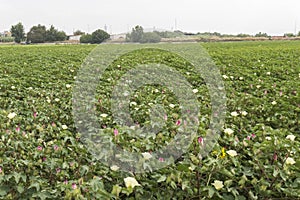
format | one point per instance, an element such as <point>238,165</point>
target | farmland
<point>256,156</point>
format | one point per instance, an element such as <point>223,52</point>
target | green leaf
<point>162,178</point>
<point>20,188</point>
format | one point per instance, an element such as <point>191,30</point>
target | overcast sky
<point>225,16</point>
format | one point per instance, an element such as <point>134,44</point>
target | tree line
<point>40,34</point>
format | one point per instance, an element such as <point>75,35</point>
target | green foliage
<point>96,37</point>
<point>243,35</point>
<point>78,32</point>
<point>7,39</point>
<point>260,34</point>
<point>53,35</point>
<point>87,38</point>
<point>150,37</point>
<point>37,34</point>
<point>99,36</point>
<point>40,158</point>
<point>289,35</point>
<point>169,34</point>
<point>17,32</point>
<point>136,34</point>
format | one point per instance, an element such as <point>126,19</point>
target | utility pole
<point>175,24</point>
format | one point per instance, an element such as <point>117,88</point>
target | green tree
<point>150,37</point>
<point>37,34</point>
<point>87,38</point>
<point>99,36</point>
<point>17,32</point>
<point>53,35</point>
<point>136,34</point>
<point>289,35</point>
<point>78,32</point>
<point>260,34</point>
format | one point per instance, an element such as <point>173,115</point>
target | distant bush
<point>150,37</point>
<point>87,38</point>
<point>260,34</point>
<point>137,35</point>
<point>243,35</point>
<point>7,39</point>
<point>289,35</point>
<point>96,37</point>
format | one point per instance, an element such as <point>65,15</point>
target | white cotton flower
<point>228,131</point>
<point>68,86</point>
<point>133,103</point>
<point>172,105</point>
<point>244,113</point>
<point>290,161</point>
<point>48,100</point>
<point>241,78</point>
<point>131,182</point>
<point>11,115</point>
<point>114,168</point>
<point>274,103</point>
<point>147,155</point>
<point>291,137</point>
<point>156,90</point>
<point>234,114</point>
<point>232,153</point>
<point>30,88</point>
<point>268,73</point>
<point>231,77</point>
<point>268,138</point>
<point>13,87</point>
<point>126,93</point>
<point>56,99</point>
<point>195,90</point>
<point>218,184</point>
<point>103,115</point>
<point>225,77</point>
<point>258,86</point>
<point>64,127</point>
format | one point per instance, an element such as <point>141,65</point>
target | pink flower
<point>200,140</point>
<point>166,117</point>
<point>74,186</point>
<point>44,159</point>
<point>18,129</point>
<point>55,147</point>
<point>178,123</point>
<point>53,124</point>
<point>185,122</point>
<point>58,170</point>
<point>248,138</point>
<point>253,135</point>
<point>23,133</point>
<point>66,182</point>
<point>280,93</point>
<point>34,114</point>
<point>161,159</point>
<point>275,156</point>
<point>39,148</point>
<point>116,132</point>
<point>0,170</point>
